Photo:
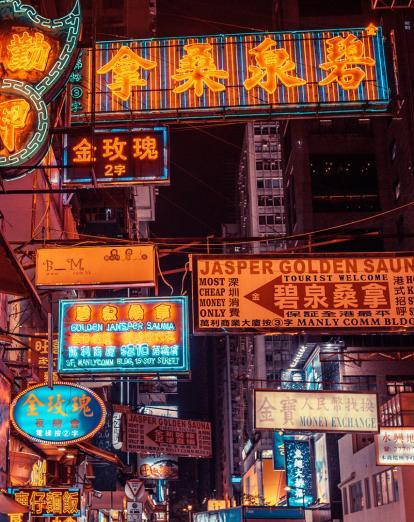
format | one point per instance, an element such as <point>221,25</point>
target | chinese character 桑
<point>28,53</point>
<point>125,65</point>
<point>345,296</point>
<point>343,56</point>
<point>271,65</point>
<point>197,68</point>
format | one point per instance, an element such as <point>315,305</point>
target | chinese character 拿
<point>343,57</point>
<point>125,65</point>
<point>197,69</point>
<point>271,65</point>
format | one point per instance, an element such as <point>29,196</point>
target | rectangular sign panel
<point>161,435</point>
<point>299,476</point>
<point>316,411</point>
<point>395,447</point>
<point>118,157</point>
<point>124,335</point>
<point>104,266</point>
<point>295,294</point>
<point>158,468</point>
<point>281,73</point>
<point>49,502</point>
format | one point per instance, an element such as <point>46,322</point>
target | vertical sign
<point>298,473</point>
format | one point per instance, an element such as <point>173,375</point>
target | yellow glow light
<point>28,53</point>
<point>271,65</point>
<point>124,66</point>
<point>13,116</point>
<point>344,54</point>
<point>197,68</point>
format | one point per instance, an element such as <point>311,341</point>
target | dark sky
<point>204,157</point>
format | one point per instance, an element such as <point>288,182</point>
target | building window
<point>386,487</point>
<point>345,501</point>
<point>395,385</point>
<point>272,219</point>
<point>356,497</point>
<point>269,201</point>
<point>367,494</point>
<point>269,183</point>
<point>259,165</point>
<point>360,382</point>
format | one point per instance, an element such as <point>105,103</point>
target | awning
<point>99,453</point>
<point>9,506</point>
<point>13,278</point>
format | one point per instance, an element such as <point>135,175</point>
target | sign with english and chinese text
<point>124,335</point>
<point>298,294</point>
<point>65,414</point>
<point>149,434</point>
<point>104,266</point>
<point>321,411</point>
<point>395,447</point>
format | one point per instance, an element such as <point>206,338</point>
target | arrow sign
<point>278,297</point>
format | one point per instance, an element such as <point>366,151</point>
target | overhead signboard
<point>299,476</point>
<point>395,447</point>
<point>117,157</point>
<point>37,55</point>
<point>250,293</point>
<point>149,434</point>
<point>103,266</point>
<point>321,411</point>
<point>38,355</point>
<point>274,73</point>
<point>123,335</point>
<point>158,468</point>
<point>49,502</point>
<point>65,414</point>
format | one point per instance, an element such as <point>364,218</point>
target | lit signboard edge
<point>59,443</point>
<point>377,435</point>
<point>184,369</point>
<point>307,392</point>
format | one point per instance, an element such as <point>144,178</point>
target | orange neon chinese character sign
<point>28,53</point>
<point>125,65</point>
<point>83,152</point>
<point>271,65</point>
<point>13,116</point>
<point>197,68</point>
<point>343,57</point>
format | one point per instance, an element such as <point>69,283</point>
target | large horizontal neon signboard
<point>137,335</point>
<point>49,502</point>
<point>64,414</point>
<point>117,157</point>
<point>235,75</point>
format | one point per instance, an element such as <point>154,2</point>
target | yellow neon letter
<point>344,54</point>
<point>271,65</point>
<point>124,66</point>
<point>13,115</point>
<point>197,68</point>
<point>28,53</point>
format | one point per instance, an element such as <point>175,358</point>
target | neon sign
<point>49,502</point>
<point>298,473</point>
<point>142,335</point>
<point>133,156</point>
<point>36,55</point>
<point>281,73</point>
<point>65,414</point>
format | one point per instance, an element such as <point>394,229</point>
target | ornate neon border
<point>62,442</point>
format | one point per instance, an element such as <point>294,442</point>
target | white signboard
<point>395,447</point>
<point>321,411</point>
<point>134,511</point>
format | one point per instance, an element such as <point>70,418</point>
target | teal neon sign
<point>64,414</point>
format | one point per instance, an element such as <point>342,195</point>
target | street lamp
<point>289,488</point>
<point>189,509</point>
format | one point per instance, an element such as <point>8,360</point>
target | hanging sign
<point>316,411</point>
<point>298,473</point>
<point>275,73</point>
<point>37,55</point>
<point>125,335</point>
<point>251,293</point>
<point>158,468</point>
<point>49,502</point>
<point>103,266</point>
<point>149,434</point>
<point>395,446</point>
<point>65,414</point>
<point>117,157</point>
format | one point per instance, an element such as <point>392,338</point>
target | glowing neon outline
<point>62,442</point>
<point>182,301</point>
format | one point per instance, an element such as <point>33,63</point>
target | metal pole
<point>50,350</point>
